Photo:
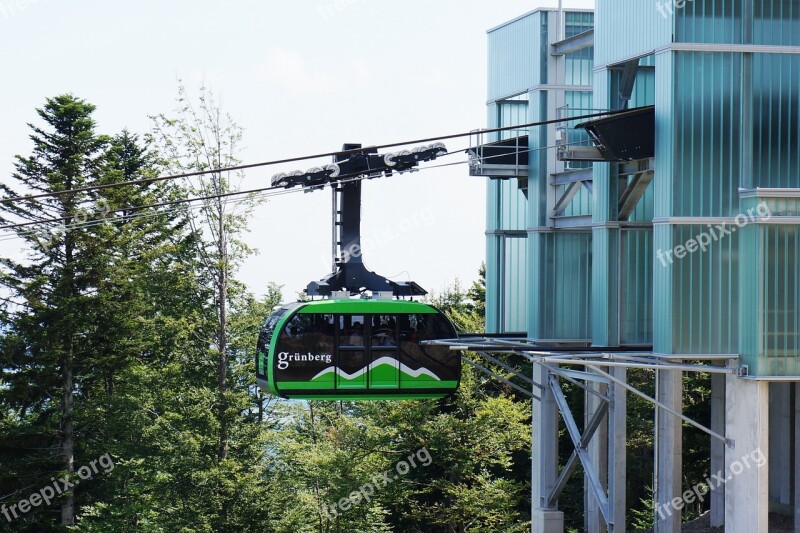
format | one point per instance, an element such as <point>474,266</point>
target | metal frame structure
<point>600,448</point>
<point>349,275</point>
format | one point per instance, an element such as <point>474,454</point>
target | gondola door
<point>352,371</point>
<point>384,360</point>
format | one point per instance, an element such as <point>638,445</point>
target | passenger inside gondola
<point>357,336</point>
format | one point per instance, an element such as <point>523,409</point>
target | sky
<point>300,78</point>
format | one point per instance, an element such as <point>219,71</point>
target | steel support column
<point>617,451</point>
<point>717,497</point>
<point>545,518</point>
<point>669,451</point>
<point>598,452</point>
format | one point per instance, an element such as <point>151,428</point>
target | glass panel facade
<point>578,103</point>
<point>510,113</point>
<point>725,120</point>
<point>776,120</point>
<point>776,22</point>
<point>707,125</point>
<point>636,287</point>
<point>515,286</point>
<point>579,65</point>
<point>772,22</point>
<point>780,342</point>
<point>515,56</point>
<point>704,286</point>
<point>566,286</point>
<point>710,21</point>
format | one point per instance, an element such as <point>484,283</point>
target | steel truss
<point>603,377</point>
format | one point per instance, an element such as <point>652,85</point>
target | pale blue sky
<point>300,77</point>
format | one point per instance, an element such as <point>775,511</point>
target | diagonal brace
<point>566,198</point>
<point>500,378</point>
<point>504,366</point>
<point>666,408</point>
<point>572,463</point>
<point>581,452</point>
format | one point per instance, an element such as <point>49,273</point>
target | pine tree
<point>146,305</point>
<point>48,346</point>
<point>100,296</point>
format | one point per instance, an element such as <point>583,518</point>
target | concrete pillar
<point>544,458</point>
<point>796,457</point>
<point>717,497</point>
<point>598,452</point>
<point>617,452</point>
<point>780,442</point>
<point>669,451</point>
<point>747,424</point>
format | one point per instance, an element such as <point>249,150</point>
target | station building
<point>668,260</point>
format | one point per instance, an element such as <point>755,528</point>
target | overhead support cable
<point>338,154</point>
<point>261,192</point>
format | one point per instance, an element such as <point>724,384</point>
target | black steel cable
<point>249,191</point>
<point>303,158</point>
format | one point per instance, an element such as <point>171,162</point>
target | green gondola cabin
<point>357,350</point>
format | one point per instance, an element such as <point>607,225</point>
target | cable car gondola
<point>357,350</point>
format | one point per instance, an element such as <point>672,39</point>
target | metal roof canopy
<point>625,136</point>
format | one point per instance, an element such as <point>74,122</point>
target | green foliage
<point>642,517</point>
<point>466,309</point>
<point>132,337</point>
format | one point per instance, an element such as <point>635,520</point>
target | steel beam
<point>573,44</point>
<point>627,81</point>
<point>504,366</point>
<point>662,406</point>
<point>498,377</point>
<point>566,375</point>
<point>571,176</point>
<point>617,446</point>
<point>566,198</point>
<point>633,193</point>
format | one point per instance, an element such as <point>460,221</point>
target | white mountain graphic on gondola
<point>388,361</point>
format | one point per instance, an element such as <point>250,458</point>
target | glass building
<point>691,255</point>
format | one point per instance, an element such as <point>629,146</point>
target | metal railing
<point>499,157</point>
<point>568,136</point>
